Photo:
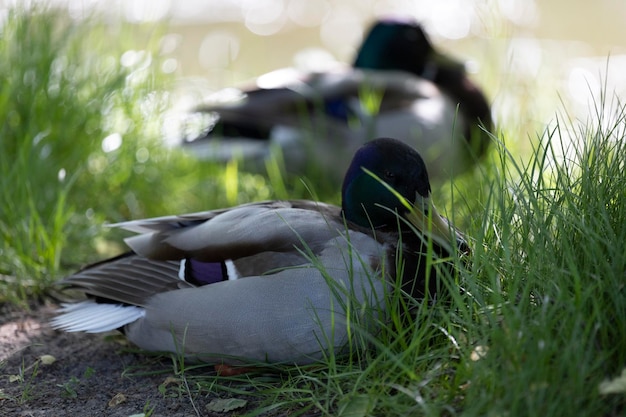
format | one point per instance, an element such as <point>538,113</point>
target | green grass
<point>553,271</point>
<point>64,91</point>
<point>541,318</point>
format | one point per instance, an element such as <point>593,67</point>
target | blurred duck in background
<point>398,86</point>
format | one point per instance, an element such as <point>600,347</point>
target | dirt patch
<point>89,375</point>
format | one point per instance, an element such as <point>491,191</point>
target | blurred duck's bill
<point>425,217</point>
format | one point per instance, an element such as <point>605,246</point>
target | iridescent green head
<point>386,179</point>
<point>366,200</point>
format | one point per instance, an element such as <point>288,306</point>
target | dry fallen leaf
<point>614,386</point>
<point>479,353</point>
<point>170,380</point>
<point>47,359</point>
<point>223,405</point>
<point>117,399</point>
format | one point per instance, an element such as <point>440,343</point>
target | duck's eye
<point>389,175</point>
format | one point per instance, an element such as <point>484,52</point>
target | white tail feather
<point>91,317</point>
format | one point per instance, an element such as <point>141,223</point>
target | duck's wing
<point>295,115</point>
<point>175,252</point>
<point>334,94</point>
<point>128,279</point>
<point>238,232</point>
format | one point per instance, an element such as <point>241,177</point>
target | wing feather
<point>128,279</point>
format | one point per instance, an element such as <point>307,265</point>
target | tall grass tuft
<point>80,128</point>
<point>555,271</point>
<point>63,92</point>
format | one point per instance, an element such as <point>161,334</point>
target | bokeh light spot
<point>308,13</point>
<point>111,142</point>
<point>218,49</point>
<point>146,10</point>
<point>264,17</point>
<point>169,65</point>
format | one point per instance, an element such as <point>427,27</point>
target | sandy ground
<point>88,375</point>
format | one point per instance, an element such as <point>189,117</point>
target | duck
<point>272,281</point>
<point>398,86</point>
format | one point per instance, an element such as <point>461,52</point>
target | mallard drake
<point>270,281</point>
<point>398,86</point>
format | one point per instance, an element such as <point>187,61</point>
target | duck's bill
<point>425,217</point>
<point>446,62</point>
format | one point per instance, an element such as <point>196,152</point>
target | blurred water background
<point>533,58</point>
